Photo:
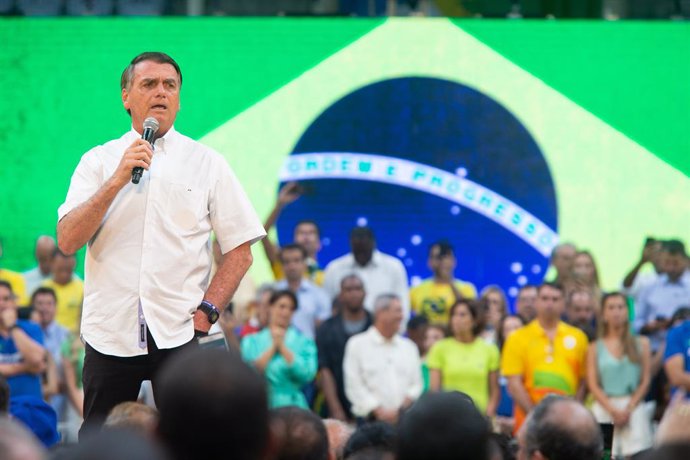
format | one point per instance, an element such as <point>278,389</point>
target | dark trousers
<point>111,380</point>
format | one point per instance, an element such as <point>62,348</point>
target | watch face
<point>213,316</point>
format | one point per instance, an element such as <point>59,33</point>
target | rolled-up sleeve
<point>233,217</point>
<point>85,182</point>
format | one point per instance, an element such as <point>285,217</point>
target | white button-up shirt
<point>151,256</point>
<point>380,372</point>
<point>383,274</point>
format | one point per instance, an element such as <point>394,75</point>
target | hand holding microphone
<point>150,129</point>
<point>138,155</point>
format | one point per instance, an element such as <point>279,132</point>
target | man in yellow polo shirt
<point>435,296</point>
<point>547,356</point>
<point>69,291</point>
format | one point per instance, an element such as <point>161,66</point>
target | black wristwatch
<point>211,311</point>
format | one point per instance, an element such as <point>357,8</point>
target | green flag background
<point>607,103</point>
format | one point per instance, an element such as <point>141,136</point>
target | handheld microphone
<point>150,129</point>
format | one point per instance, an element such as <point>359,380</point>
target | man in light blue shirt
<point>313,304</point>
<point>659,301</point>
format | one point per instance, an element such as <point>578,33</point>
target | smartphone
<point>216,340</point>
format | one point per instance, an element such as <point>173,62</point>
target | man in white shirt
<point>380,272</point>
<point>383,373</point>
<point>148,259</point>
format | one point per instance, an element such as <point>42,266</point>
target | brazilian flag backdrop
<point>503,137</point>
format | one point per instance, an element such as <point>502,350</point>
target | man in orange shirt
<point>547,356</point>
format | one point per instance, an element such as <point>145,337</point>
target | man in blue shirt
<point>677,356</point>
<point>659,301</point>
<point>313,304</point>
<point>22,356</point>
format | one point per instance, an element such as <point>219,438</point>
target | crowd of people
<point>163,359</point>
<point>351,344</point>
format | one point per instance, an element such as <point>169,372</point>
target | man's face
<point>44,256</point>
<point>581,309</point>
<point>362,249</point>
<point>6,299</point>
<point>294,264</point>
<point>352,294</point>
<point>525,303</point>
<point>441,265</point>
<point>63,269</point>
<point>44,305</point>
<point>391,317</point>
<point>563,260</point>
<point>153,92</point>
<point>307,236</point>
<point>673,265</point>
<point>550,303</point>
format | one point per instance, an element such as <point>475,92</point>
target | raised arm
<point>288,194</point>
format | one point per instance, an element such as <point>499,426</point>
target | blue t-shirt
<point>678,343</point>
<point>21,384</point>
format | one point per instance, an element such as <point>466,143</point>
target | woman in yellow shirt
<point>464,361</point>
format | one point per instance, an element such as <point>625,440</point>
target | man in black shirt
<point>331,338</point>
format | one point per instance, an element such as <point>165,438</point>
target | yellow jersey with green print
<point>547,366</point>
<point>434,300</point>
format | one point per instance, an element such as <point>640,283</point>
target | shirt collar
<point>536,325</point>
<point>375,259</point>
<point>378,338</point>
<point>162,144</point>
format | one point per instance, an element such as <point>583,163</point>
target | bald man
<point>45,249</point>
<point>560,428</point>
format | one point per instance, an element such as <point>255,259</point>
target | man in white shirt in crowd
<point>44,252</point>
<point>380,272</point>
<point>383,373</point>
<point>148,259</point>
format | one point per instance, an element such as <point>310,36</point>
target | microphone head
<point>152,124</point>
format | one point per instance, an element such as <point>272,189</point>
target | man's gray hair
<point>263,289</point>
<point>384,301</point>
<point>560,246</point>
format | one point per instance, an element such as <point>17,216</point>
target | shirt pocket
<point>185,205</point>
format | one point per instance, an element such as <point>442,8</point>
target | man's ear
<point>125,99</point>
